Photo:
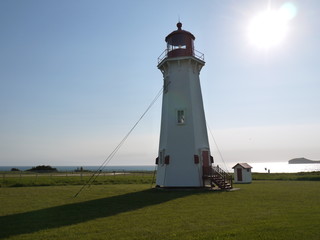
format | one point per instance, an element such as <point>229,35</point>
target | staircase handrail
<point>225,175</point>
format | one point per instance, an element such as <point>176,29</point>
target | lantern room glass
<point>180,44</point>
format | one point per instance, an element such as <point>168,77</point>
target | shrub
<point>42,168</point>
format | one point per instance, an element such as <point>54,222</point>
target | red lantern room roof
<point>180,31</point>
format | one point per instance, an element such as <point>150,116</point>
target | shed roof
<point>244,165</point>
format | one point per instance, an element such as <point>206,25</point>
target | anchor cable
<point>214,140</point>
<point>113,153</point>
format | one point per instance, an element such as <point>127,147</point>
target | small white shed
<point>242,173</point>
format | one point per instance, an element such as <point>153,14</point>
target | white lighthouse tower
<point>184,158</point>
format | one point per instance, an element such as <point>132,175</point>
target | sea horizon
<point>259,167</point>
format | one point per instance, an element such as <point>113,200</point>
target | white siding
<point>181,141</point>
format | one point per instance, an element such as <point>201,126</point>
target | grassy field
<point>27,179</point>
<point>17,179</point>
<point>301,176</point>
<point>261,210</point>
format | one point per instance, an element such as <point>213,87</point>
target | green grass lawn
<point>27,179</point>
<point>261,210</point>
<point>301,176</point>
<point>9,179</point>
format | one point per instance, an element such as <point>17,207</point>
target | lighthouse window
<point>181,116</point>
<point>177,41</point>
<point>161,156</point>
<point>165,84</point>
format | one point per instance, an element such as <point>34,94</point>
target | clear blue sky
<point>77,74</point>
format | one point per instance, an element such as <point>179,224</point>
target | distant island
<point>302,161</point>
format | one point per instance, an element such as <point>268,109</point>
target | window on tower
<point>161,157</point>
<point>180,117</point>
<point>177,41</point>
<point>165,84</point>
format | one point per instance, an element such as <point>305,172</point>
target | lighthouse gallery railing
<point>196,54</point>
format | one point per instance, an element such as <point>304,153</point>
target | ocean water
<point>90,168</point>
<point>280,167</point>
<point>273,167</point>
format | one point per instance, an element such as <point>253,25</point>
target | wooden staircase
<point>216,178</point>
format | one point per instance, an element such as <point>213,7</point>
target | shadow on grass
<point>29,222</point>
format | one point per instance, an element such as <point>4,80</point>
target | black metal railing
<point>196,54</point>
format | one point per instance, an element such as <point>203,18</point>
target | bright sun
<point>269,28</point>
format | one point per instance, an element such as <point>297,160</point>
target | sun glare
<point>269,28</point>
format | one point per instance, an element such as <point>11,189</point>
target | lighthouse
<point>184,158</point>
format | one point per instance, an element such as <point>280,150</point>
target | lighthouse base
<point>206,188</point>
<point>213,177</point>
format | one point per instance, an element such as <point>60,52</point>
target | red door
<point>205,163</point>
<point>239,174</point>
<point>205,158</point>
